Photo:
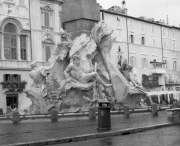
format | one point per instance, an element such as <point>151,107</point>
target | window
<point>132,38</point>
<point>174,45</point>
<point>48,52</point>
<point>46,19</point>
<point>12,77</point>
<point>174,65</point>
<point>164,44</point>
<point>22,2</point>
<point>133,61</point>
<point>118,35</point>
<point>153,42</point>
<point>144,62</point>
<point>118,22</point>
<point>23,47</point>
<point>142,40</point>
<point>102,16</point>
<point>152,28</point>
<point>12,101</point>
<point>10,41</point>
<point>46,13</point>
<point>142,27</point>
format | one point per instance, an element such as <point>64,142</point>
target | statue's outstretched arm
<point>123,65</point>
<point>51,66</point>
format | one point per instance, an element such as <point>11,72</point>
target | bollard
<point>175,105</point>
<point>154,109</point>
<point>126,111</point>
<point>92,113</point>
<point>54,115</point>
<point>15,117</point>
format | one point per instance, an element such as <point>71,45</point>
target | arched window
<point>10,41</point>
<point>48,44</point>
<point>133,61</point>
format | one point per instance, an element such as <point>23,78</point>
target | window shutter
<point>19,78</point>
<point>144,40</point>
<point>135,64</point>
<point>11,77</point>
<point>131,61</point>
<point>4,77</point>
<point>142,62</point>
<point>129,38</point>
<point>146,63</point>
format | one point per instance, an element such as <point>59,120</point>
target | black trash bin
<point>104,118</point>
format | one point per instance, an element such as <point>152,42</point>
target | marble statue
<point>127,71</point>
<point>38,91</point>
<point>80,74</point>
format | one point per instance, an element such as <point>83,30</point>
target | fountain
<point>81,74</point>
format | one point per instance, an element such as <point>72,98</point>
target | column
<point>2,46</point>
<point>18,48</point>
<point>28,48</point>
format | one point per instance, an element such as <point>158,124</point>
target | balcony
<point>158,67</point>
<point>14,86</point>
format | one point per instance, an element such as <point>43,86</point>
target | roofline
<point>169,26</point>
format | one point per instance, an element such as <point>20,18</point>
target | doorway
<point>12,100</point>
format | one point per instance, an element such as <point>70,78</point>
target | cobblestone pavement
<point>39,130</point>
<point>159,137</point>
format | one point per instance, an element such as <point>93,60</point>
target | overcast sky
<point>157,9</point>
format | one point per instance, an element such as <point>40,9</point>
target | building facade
<point>152,47</point>
<point>29,31</point>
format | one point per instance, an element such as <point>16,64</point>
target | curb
<point>77,115</point>
<point>95,135</point>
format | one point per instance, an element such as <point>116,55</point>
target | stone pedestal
<point>16,117</point>
<point>154,109</point>
<point>79,16</point>
<point>175,105</point>
<point>126,111</point>
<point>54,115</point>
<point>92,113</point>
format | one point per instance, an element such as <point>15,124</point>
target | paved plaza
<point>37,131</point>
<point>158,137</point>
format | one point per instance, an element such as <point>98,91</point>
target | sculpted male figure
<point>39,74</point>
<point>38,91</point>
<point>75,72</point>
<point>126,70</point>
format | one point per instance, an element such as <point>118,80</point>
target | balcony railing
<point>172,83</point>
<point>14,86</point>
